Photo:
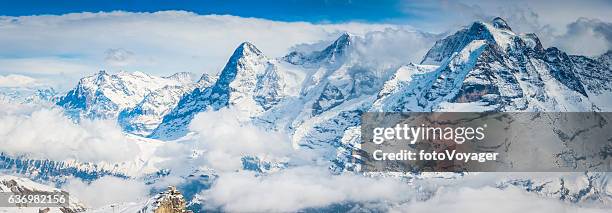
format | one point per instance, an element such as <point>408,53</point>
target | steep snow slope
<point>496,32</point>
<point>489,67</point>
<point>150,111</point>
<point>249,81</point>
<point>484,67</point>
<point>338,89</point>
<point>398,93</point>
<point>478,73</point>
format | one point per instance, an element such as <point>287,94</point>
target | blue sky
<point>289,10</point>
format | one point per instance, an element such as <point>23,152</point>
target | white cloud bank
<point>311,187</point>
<point>158,43</point>
<point>298,188</point>
<point>586,37</point>
<point>106,190</point>
<point>47,134</point>
<point>225,140</point>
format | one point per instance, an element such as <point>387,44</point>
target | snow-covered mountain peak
<point>340,44</point>
<point>245,56</point>
<point>335,53</point>
<point>501,36</point>
<point>103,95</point>
<point>249,81</point>
<point>247,49</point>
<point>532,41</point>
<point>136,73</point>
<point>242,68</point>
<point>500,33</point>
<point>339,48</point>
<point>183,77</point>
<point>512,72</point>
<point>500,23</point>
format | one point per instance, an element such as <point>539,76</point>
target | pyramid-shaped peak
<point>346,35</point>
<point>338,48</point>
<point>247,48</point>
<point>344,40</point>
<point>332,53</point>
<point>500,23</point>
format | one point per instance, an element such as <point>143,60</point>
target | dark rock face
<point>595,74</point>
<point>563,69</point>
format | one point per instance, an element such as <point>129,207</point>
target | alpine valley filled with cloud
<point>274,129</point>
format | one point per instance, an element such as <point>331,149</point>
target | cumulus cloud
<point>388,48</point>
<point>14,80</point>
<point>106,190</point>
<point>313,187</point>
<point>298,188</point>
<point>47,134</point>
<point>223,137</point>
<point>395,46</point>
<point>586,37</point>
<point>226,139</point>
<point>583,36</point>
